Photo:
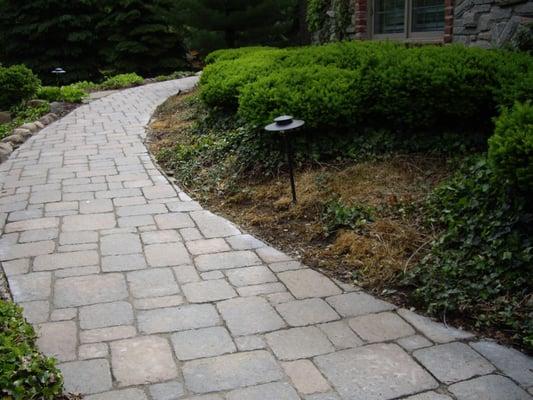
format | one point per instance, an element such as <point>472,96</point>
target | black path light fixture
<point>284,125</point>
<point>58,72</point>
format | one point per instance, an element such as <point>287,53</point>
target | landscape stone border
<point>19,135</point>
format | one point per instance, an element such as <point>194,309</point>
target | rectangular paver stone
<point>92,289</point>
<point>307,312</point>
<point>58,339</point>
<point>380,327</point>
<point>166,255</point>
<point>268,391</point>
<point>201,343</point>
<point>304,283</point>
<point>89,222</point>
<point>213,226</point>
<point>105,315</point>
<point>295,343</point>
<point>208,291</point>
<point>152,283</point>
<point>231,371</point>
<point>86,377</point>
<point>30,287</point>
<point>358,303</point>
<point>228,260</point>
<point>65,260</point>
<point>177,318</point>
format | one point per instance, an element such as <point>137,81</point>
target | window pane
<point>389,16</point>
<point>428,15</point>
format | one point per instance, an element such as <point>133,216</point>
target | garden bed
<point>360,222</point>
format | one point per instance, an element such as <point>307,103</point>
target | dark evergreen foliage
<point>141,36</point>
<point>216,24</point>
<point>45,34</point>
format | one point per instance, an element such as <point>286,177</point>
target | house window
<point>407,19</point>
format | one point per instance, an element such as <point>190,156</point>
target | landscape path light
<point>58,72</point>
<point>285,125</point>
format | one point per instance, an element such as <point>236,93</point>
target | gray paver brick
<point>304,283</point>
<point>152,283</point>
<point>453,362</point>
<point>231,371</point>
<point>358,303</point>
<point>131,366</point>
<point>491,387</point>
<point>227,260</point>
<point>58,339</point>
<point>246,316</point>
<point>125,262</point>
<point>213,226</point>
<point>126,243</point>
<point>86,290</point>
<point>105,315</point>
<point>36,311</point>
<point>510,361</point>
<point>86,377</point>
<point>208,291</point>
<point>50,262</point>
<point>126,394</point>
<point>251,276</point>
<point>197,247</point>
<point>201,343</point>
<point>375,372</point>
<point>30,287</point>
<point>167,391</point>
<point>179,318</point>
<point>307,312</point>
<point>90,222</point>
<point>380,327</point>
<point>268,391</point>
<point>166,255</point>
<point>295,343</point>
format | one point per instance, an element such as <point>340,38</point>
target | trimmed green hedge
<point>395,87</point>
<point>25,374</point>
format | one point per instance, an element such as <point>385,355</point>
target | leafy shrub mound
<point>17,84</point>
<point>511,148</point>
<point>482,266</point>
<point>24,372</point>
<point>121,81</point>
<point>71,93</point>
<point>394,87</point>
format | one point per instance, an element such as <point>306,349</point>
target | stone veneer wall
<point>489,23</point>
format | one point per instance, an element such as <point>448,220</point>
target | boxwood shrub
<point>400,88</point>
<point>25,374</point>
<point>511,147</point>
<point>17,84</point>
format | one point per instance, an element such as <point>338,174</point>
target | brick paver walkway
<point>142,294</point>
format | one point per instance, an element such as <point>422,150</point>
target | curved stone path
<point>141,294</point>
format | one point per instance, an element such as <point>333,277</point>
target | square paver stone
<point>142,360</point>
<point>304,283</point>
<point>307,312</point>
<point>231,371</point>
<point>490,387</point>
<point>269,391</point>
<point>106,314</point>
<point>180,318</point>
<point>306,377</point>
<point>86,377</point>
<point>374,372</point>
<point>453,362</point>
<point>249,315</point>
<point>152,283</point>
<point>91,289</point>
<point>380,327</point>
<point>166,254</point>
<point>58,340</point>
<point>200,343</point>
<point>295,343</point>
<point>207,291</point>
<point>358,303</point>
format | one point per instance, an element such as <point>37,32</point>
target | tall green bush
<point>17,84</point>
<point>511,148</point>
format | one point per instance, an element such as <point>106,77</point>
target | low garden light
<point>58,72</point>
<point>284,125</point>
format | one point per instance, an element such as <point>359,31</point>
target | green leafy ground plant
<point>25,374</point>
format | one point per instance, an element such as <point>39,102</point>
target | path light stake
<point>58,72</point>
<point>284,125</point>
